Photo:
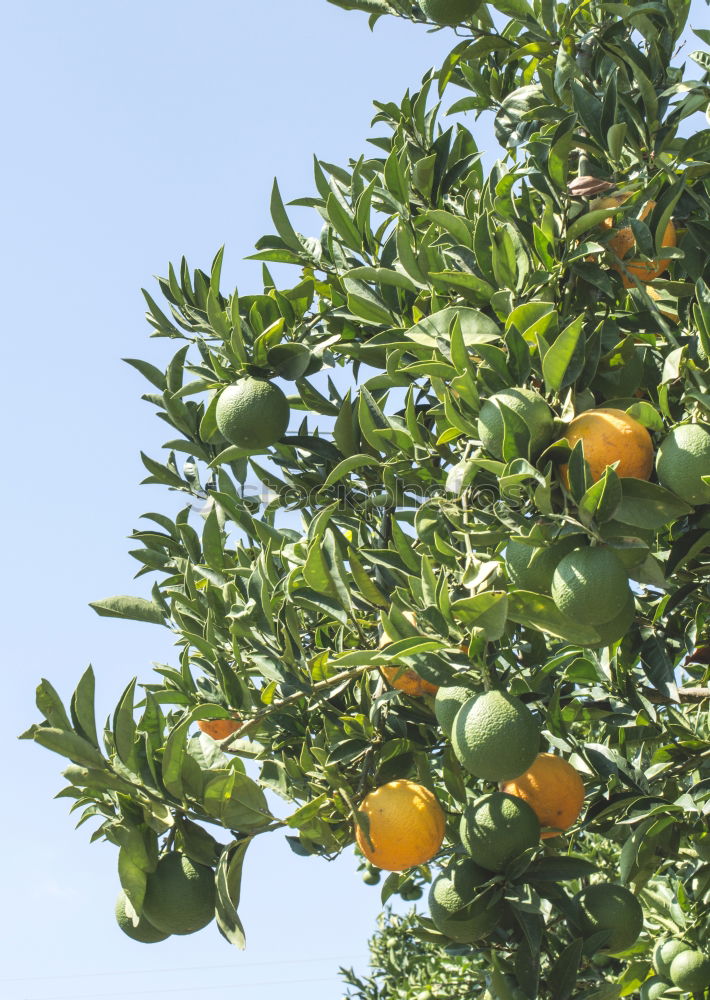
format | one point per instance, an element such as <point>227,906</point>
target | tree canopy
<point>423,515</point>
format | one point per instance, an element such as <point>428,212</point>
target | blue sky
<point>139,132</point>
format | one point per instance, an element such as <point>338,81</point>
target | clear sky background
<point>136,131</point>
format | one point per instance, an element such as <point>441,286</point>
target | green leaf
<point>646,415</point>
<point>307,812</point>
<point>321,603</point>
<point>589,110</point>
<point>646,505</point>
<point>196,843</point>
<point>559,868</point>
<point>476,327</point>
<point>82,708</point>
<point>658,667</point>
<point>562,976</point>
<point>366,304</point>
<point>615,137</point>
<point>558,359</point>
<point>487,611</point>
<point>140,845</point>
<point>153,374</point>
<point>469,285</point>
<point>51,706</point>
<point>124,728</point>
<point>348,465</point>
<point>136,609</point>
<point>208,423</point>
<point>516,434</point>
<point>460,228</point>
<point>515,8</point>
<point>68,744</point>
<point>367,587</point>
<point>219,321</point>
<point>316,572</point>
<point>314,400</point>
<point>423,174</point>
<point>587,221</point>
<point>237,802</point>
<point>281,220</point>
<point>511,126</point>
<point>601,501</point>
<point>132,878</point>
<point>559,158</point>
<point>228,882</point>
<point>212,542</point>
<point>173,756</point>
<point>383,276</point>
<point>537,611</point>
<point>343,221</point>
<point>289,361</point>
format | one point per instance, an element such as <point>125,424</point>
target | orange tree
<point>479,426</point>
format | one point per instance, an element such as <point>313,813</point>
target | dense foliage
<point>432,287</point>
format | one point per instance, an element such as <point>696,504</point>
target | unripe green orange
<point>590,585</point>
<point>455,906</point>
<point>252,414</point>
<point>529,406</point>
<point>497,828</point>
<point>683,459</point>
<point>449,11</point>
<point>611,908</point>
<point>143,931</point>
<point>690,970</point>
<point>495,736</point>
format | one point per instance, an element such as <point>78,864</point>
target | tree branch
<point>255,720</point>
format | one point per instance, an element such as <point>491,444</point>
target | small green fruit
<point>654,988</point>
<point>690,970</point>
<point>497,828</point>
<point>180,895</point>
<point>447,703</point>
<point>253,414</point>
<point>611,908</point>
<point>143,931</point>
<point>495,736</point>
<point>529,406</point>
<point>449,12</point>
<point>664,953</point>
<point>591,585</point>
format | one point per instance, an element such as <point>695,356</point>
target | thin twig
<point>344,675</point>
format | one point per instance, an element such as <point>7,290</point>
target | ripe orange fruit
<point>623,240</point>
<point>406,826</point>
<point>607,436</point>
<point>404,678</point>
<point>554,790</point>
<point>219,729</point>
<point>408,680</point>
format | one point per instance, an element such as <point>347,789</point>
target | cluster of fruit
<point>496,738</point>
<point>676,964</point>
<point>568,568</point>
<point>608,436</point>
